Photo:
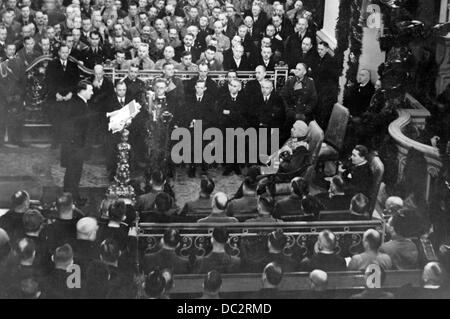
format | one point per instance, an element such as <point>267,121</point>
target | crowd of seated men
<point>38,247</point>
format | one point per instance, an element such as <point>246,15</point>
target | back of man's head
<point>300,186</point>
<point>220,201</point>
<point>212,281</point>
<point>277,240</point>
<point>32,221</point>
<point>318,280</point>
<point>26,249</point>
<point>311,205</point>
<point>109,251</point>
<point>359,204</point>
<point>154,284</point>
<point>326,241</point>
<point>220,235</point>
<point>87,228</point>
<point>64,203</point>
<point>372,240</point>
<point>63,256</point>
<point>19,199</point>
<point>163,202</point>
<point>393,204</point>
<point>172,237</point>
<point>158,178</point>
<point>265,205</point>
<point>433,274</point>
<point>272,274</point>
<point>117,211</point>
<point>207,185</point>
<point>249,186</point>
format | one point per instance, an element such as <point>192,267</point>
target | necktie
<point>186,68</point>
<point>233,99</point>
<point>122,102</point>
<point>64,66</point>
<point>199,99</point>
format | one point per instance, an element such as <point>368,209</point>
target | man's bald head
<point>318,280</point>
<point>326,241</point>
<point>87,228</point>
<point>220,201</point>
<point>372,240</point>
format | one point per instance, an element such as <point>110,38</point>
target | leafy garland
<point>342,32</point>
<point>356,34</point>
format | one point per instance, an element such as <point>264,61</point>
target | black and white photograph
<point>224,149</point>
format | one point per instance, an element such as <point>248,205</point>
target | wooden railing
<point>235,283</point>
<point>195,238</point>
<point>416,115</point>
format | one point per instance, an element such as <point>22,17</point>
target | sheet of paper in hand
<point>118,119</point>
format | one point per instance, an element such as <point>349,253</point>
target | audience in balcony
<point>371,241</point>
<point>218,259</point>
<point>325,257</point>
<point>402,250</point>
<point>218,214</point>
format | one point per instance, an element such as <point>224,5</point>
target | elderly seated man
<point>294,155</point>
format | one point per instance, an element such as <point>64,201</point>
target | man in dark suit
<point>230,108</point>
<point>259,18</point>
<point>117,101</point>
<point>188,45</point>
<point>283,27</point>
<point>237,61</point>
<point>74,133</point>
<point>202,205</point>
<point>228,28</point>
<point>307,56</point>
<point>268,111</point>
<point>201,107</point>
<point>100,103</point>
<point>299,96</point>
<point>135,86</point>
<point>358,99</point>
<point>203,70</point>
<point>294,41</point>
<point>95,54</point>
<point>86,247</point>
<point>63,77</point>
<point>292,205</point>
<point>247,203</point>
<point>217,259</point>
<point>265,58</point>
<point>272,251</point>
<point>358,177</point>
<point>252,91</point>
<point>271,279</point>
<point>166,256</point>
<point>326,77</point>
<point>335,198</point>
